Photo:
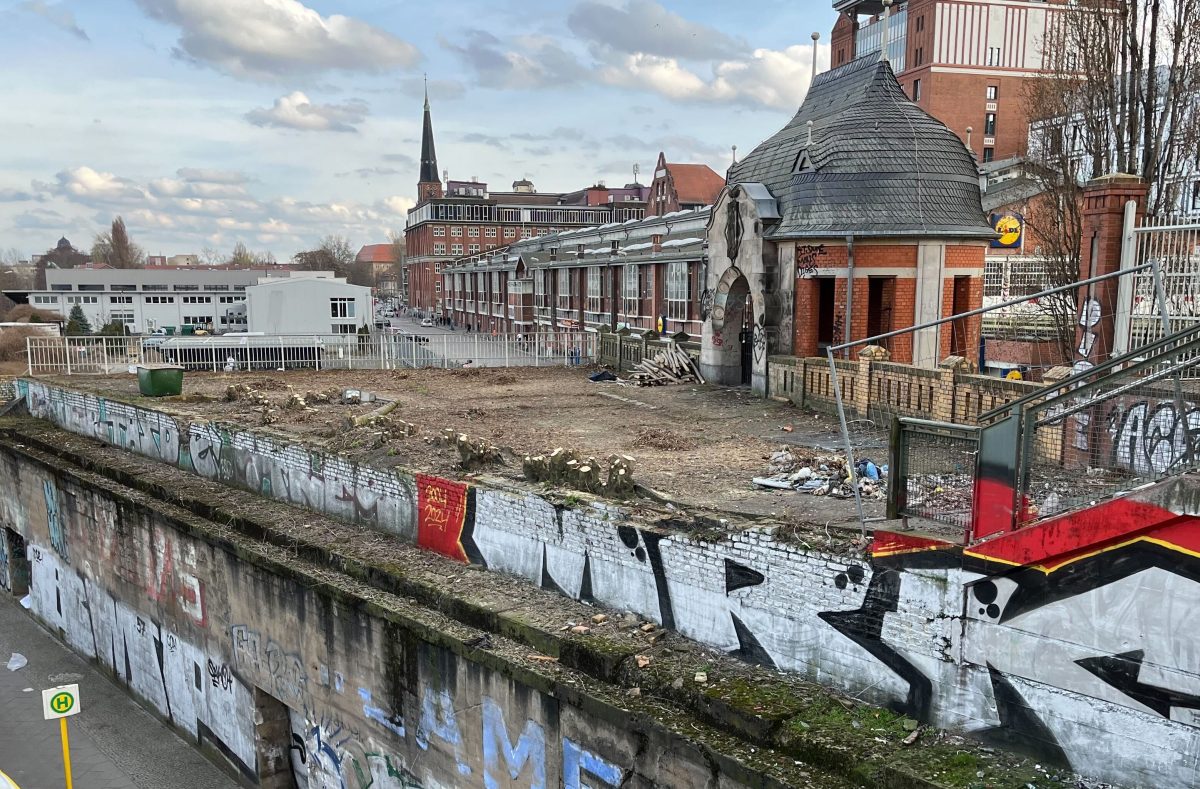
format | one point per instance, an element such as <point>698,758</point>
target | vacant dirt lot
<point>699,446</point>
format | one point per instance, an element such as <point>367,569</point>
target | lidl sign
<point>1011,228</point>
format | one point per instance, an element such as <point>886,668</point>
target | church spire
<point>429,185</point>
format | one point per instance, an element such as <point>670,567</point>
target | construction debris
<point>671,366</point>
<point>373,416</point>
<point>823,475</point>
<point>565,467</point>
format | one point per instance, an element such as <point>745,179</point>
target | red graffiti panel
<point>441,515</point>
<point>890,543</point>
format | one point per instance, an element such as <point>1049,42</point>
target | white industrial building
<point>213,299</point>
<point>304,305</point>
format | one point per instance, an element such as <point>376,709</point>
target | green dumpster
<point>160,380</point>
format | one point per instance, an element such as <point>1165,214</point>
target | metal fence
<point>932,467</point>
<point>377,351</point>
<point>1174,245</point>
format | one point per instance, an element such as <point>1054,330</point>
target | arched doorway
<point>732,347</point>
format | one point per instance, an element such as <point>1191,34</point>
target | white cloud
<point>519,63</point>
<point>766,77</point>
<point>274,39</point>
<point>644,26</point>
<point>295,111</point>
<point>211,175</point>
<point>55,14</point>
<point>88,185</point>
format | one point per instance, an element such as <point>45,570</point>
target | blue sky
<point>276,122</point>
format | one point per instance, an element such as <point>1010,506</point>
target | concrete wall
<point>292,680</point>
<point>1088,659</point>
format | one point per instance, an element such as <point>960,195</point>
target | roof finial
<point>815,38</point>
<point>887,15</point>
<point>734,154</point>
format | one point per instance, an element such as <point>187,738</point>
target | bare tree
<point>399,255</point>
<point>1123,96</point>
<point>242,257</point>
<point>335,253</point>
<point>211,256</point>
<point>115,249</point>
<point>10,257</point>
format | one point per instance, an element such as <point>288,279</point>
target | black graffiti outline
<point>1156,437</point>
<point>806,260</point>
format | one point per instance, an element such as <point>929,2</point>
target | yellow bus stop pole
<point>62,723</point>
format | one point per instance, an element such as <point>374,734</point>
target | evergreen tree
<point>77,322</point>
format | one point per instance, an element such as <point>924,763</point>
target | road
<point>115,743</point>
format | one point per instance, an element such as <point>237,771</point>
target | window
<point>678,295</point>
<point>186,287</point>
<point>989,154</point>
<point>120,299</point>
<point>197,299</point>
<point>989,125</point>
<point>439,249</point>
<point>197,320</point>
<point>631,291</point>
<point>993,56</point>
<point>341,308</point>
<point>60,287</point>
<point>919,55</point>
<point>993,92</point>
<point>473,249</point>
<point>920,26</point>
<point>510,232</point>
<point>154,287</point>
<point>473,232</point>
<point>595,292</point>
<point>45,299</point>
<point>526,233</point>
<point>342,328</point>
<point>1196,196</point>
<point>121,317</point>
<point>160,299</point>
<point>456,249</point>
<point>916,92</point>
<point>539,288</point>
<point>92,287</point>
<point>564,289</point>
<point>439,231</point>
<point>489,232</point>
<point>456,232</point>
<point>232,299</point>
<point>83,299</point>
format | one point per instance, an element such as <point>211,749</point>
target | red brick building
<point>963,61</point>
<point>465,219</point>
<point>861,216</point>
<point>682,187</point>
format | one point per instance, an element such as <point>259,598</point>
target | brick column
<point>1103,220</point>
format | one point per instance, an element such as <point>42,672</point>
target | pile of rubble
<point>671,366</point>
<point>823,475</point>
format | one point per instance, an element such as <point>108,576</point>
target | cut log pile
<point>671,366</point>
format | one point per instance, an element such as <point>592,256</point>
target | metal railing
<point>376,351</point>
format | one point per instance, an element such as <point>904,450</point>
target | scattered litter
<point>823,475</point>
<point>701,677</point>
<point>643,661</point>
<point>603,375</point>
<point>17,662</point>
<point>544,658</point>
<point>27,690</point>
<point>671,366</point>
<point>599,619</point>
<point>26,603</point>
<point>648,628</point>
<point>787,428</point>
<point>581,630</point>
<point>911,738</point>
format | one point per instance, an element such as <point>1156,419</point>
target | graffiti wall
<point>1072,640</point>
<point>212,638</point>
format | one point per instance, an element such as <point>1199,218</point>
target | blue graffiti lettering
<point>577,762</point>
<point>530,748</point>
<point>393,723</point>
<point>441,720</point>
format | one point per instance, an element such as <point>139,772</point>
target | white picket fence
<point>382,351</point>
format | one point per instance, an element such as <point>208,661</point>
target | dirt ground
<point>698,446</point>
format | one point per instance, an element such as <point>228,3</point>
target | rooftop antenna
<point>810,125</point>
<point>887,15</point>
<point>815,38</point>
<point>734,154</point>
<point>445,174</point>
<point>636,170</point>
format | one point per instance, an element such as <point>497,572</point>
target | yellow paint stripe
<point>8,782</point>
<point>1047,569</point>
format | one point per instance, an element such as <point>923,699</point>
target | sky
<point>277,122</point>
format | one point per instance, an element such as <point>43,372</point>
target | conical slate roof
<point>875,165</point>
<point>429,168</point>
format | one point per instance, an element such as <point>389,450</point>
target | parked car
<point>154,339</point>
<point>427,323</point>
